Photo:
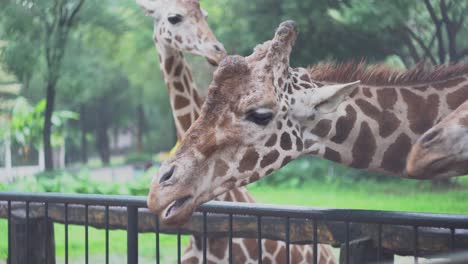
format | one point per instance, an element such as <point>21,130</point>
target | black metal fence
<point>389,233</point>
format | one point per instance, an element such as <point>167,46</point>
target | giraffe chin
<point>178,212</point>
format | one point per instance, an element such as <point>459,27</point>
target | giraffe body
<point>443,149</point>
<point>260,114</point>
<point>186,104</point>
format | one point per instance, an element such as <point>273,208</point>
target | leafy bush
<point>136,157</point>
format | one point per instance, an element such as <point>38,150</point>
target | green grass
<point>401,195</point>
<point>398,195</point>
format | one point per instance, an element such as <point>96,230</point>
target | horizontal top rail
<point>263,210</point>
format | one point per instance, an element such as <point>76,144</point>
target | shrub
<point>136,157</point>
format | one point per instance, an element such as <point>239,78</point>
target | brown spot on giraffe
<point>252,249</point>
<point>218,247</point>
<point>422,88</point>
<point>179,87</point>
<point>178,38</point>
<point>221,168</point>
<point>296,256</point>
<point>387,121</point>
<point>249,160</point>
<point>271,141</point>
<point>458,97</point>
<point>332,155</point>
<point>322,128</point>
<point>185,121</point>
<point>364,147</point>
<point>394,158</point>
<point>387,98</point>
<point>238,258</point>
<point>281,255</point>
<point>180,102</point>
<point>449,83</point>
<point>366,91</point>
<point>285,141</point>
<point>286,160</point>
<point>178,70</point>
<point>269,158</point>
<point>168,64</point>
<point>421,113</point>
<point>305,78</point>
<point>344,125</point>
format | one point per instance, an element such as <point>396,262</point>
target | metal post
<point>132,235</point>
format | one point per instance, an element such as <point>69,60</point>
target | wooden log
<point>32,241</point>
<point>363,251</point>
<point>395,239</point>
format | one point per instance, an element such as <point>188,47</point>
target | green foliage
<point>27,123</point>
<point>138,157</point>
<point>80,182</point>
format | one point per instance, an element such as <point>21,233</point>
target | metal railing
<point>417,234</point>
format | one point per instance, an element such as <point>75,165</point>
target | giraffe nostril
<point>217,48</point>
<point>167,175</point>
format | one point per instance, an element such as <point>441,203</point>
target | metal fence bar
<point>66,233</point>
<point>107,233</point>
<point>215,207</point>
<point>86,235</point>
<point>230,239</point>
<point>157,240</point>
<point>347,243</point>
<point>46,220</point>
<point>259,239</point>
<point>379,243</point>
<point>205,245</point>
<point>27,231</point>
<point>452,239</point>
<point>287,239</point>
<point>416,238</point>
<point>132,235</point>
<point>179,260</point>
<point>9,232</point>
<point>315,227</point>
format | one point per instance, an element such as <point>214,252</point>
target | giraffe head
<point>249,126</point>
<point>181,24</point>
<point>443,150</point>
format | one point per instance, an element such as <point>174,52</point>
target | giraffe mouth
<point>175,207</point>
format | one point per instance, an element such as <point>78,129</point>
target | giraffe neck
<point>375,127</point>
<point>183,95</point>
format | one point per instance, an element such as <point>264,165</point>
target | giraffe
<point>443,150</point>
<point>260,114</point>
<point>183,92</point>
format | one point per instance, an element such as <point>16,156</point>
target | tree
<point>53,20</point>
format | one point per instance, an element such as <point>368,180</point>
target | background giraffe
<point>443,149</point>
<point>187,17</point>
<point>260,114</point>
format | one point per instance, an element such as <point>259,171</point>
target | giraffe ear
<point>149,7</point>
<point>328,98</point>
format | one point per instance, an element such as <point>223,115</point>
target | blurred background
<point>111,117</point>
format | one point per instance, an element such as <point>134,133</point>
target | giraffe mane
<point>380,74</point>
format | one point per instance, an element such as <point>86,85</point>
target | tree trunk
<point>102,140</point>
<point>84,140</point>
<point>141,127</point>
<point>50,97</point>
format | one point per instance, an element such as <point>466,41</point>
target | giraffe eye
<point>260,117</point>
<point>175,19</point>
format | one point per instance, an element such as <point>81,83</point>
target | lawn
<point>400,195</point>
